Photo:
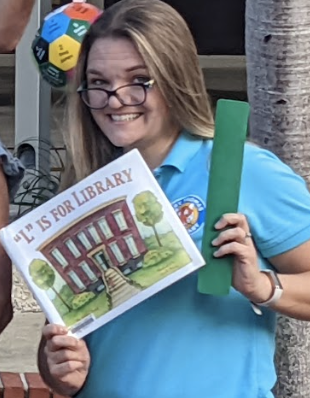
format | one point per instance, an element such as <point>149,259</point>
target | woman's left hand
<point>235,238</point>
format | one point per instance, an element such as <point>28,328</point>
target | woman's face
<point>116,62</point>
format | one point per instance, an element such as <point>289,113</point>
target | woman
<point>11,172</point>
<point>139,85</point>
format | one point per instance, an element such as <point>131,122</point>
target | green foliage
<point>169,240</point>
<point>147,276</point>
<point>60,306</point>
<point>98,306</point>
<point>42,274</point>
<point>67,293</point>
<point>81,299</point>
<point>148,210</point>
<point>74,301</point>
<point>154,257</point>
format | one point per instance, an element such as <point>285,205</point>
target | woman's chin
<point>122,142</point>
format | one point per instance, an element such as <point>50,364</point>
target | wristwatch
<point>277,288</point>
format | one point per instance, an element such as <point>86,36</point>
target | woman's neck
<point>155,152</point>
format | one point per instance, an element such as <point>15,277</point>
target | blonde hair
<point>165,43</point>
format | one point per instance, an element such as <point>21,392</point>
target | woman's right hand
<point>68,358</point>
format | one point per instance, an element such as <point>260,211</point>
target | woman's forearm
<point>295,300</point>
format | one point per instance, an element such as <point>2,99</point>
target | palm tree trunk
<point>278,67</point>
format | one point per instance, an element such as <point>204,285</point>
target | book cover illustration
<point>102,246</point>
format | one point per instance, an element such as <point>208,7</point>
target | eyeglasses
<point>129,95</point>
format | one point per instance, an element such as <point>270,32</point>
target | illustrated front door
<point>101,260</point>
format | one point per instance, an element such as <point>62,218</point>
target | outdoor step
<point>120,283</point>
<point>124,294</point>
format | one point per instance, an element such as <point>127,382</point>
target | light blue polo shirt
<point>182,344</point>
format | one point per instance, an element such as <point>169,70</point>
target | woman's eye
<point>141,79</point>
<point>97,82</point>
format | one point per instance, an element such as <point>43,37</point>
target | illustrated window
<point>72,247</point>
<point>117,252</point>
<point>84,240</point>
<point>94,234</point>
<point>90,274</point>
<point>76,280</point>
<point>131,244</point>
<point>59,258</point>
<point>105,228</point>
<point>120,220</point>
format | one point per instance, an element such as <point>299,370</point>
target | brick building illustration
<point>105,243</point>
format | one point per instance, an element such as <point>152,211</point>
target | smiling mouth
<point>125,117</point>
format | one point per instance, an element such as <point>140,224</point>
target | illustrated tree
<point>67,294</point>
<point>148,211</point>
<point>44,277</point>
<point>278,59</point>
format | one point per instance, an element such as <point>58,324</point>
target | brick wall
<point>24,385</point>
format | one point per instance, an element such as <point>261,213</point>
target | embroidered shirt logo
<point>191,211</point>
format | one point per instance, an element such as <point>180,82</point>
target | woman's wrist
<point>264,289</point>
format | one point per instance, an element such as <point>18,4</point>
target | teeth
<point>124,118</point>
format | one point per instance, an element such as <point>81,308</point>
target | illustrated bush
<point>81,299</point>
<point>154,257</point>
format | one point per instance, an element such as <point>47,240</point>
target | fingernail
<point>217,224</point>
<point>216,253</point>
<point>214,242</point>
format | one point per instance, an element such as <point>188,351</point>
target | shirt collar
<point>184,149</point>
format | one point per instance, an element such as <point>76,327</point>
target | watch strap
<point>277,289</point>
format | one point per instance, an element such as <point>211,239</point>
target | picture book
<point>102,246</point>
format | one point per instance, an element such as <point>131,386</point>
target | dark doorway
<point>217,25</point>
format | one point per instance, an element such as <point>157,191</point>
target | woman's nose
<point>114,102</point>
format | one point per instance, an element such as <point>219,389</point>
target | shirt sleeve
<point>13,170</point>
<point>276,202</point>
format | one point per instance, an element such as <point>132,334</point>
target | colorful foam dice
<point>57,43</point>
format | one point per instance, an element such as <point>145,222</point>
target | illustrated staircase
<point>119,288</point>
